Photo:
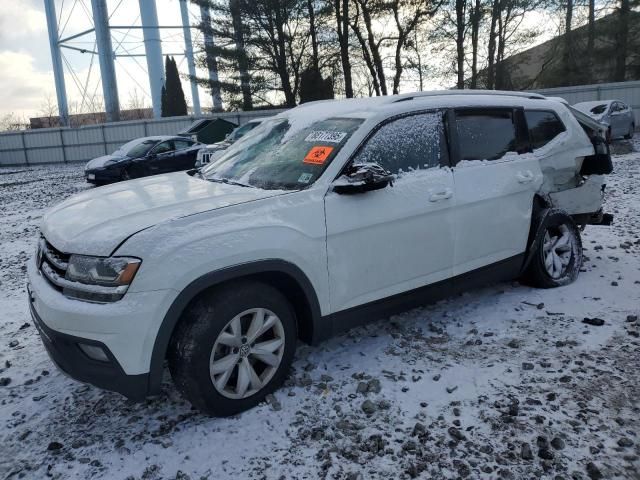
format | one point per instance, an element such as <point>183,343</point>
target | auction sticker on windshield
<point>325,136</point>
<point>318,155</point>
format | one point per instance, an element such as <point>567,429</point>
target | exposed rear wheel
<point>233,347</point>
<point>557,258</point>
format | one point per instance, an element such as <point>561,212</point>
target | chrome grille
<point>52,263</point>
<point>206,157</point>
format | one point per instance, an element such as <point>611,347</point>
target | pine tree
<point>173,101</point>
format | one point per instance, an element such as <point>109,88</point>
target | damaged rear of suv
<point>321,218</point>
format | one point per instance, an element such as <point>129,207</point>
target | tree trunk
<point>500,81</point>
<point>591,35</point>
<point>460,27</point>
<point>367,58</point>
<point>620,71</point>
<point>243,62</point>
<point>567,57</point>
<point>281,60</point>
<point>314,38</point>
<point>475,31</point>
<point>375,51</point>
<point>342,24</point>
<point>491,72</point>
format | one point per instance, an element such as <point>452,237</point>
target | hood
<point>102,161</point>
<point>217,146</point>
<point>97,221</point>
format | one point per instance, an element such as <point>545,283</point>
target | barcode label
<point>325,136</point>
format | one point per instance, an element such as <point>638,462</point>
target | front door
<point>495,182</point>
<point>399,238</point>
<point>161,157</point>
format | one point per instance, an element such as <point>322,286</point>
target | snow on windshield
<point>264,158</point>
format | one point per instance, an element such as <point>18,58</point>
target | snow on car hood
<point>96,221</point>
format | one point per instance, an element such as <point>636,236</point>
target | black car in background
<point>143,157</point>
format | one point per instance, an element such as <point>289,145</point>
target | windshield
<point>241,131</point>
<point>135,148</point>
<point>272,159</point>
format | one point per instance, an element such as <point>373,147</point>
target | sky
<point>26,79</point>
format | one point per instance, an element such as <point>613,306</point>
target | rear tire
<point>557,258</point>
<point>233,346</point>
<point>632,130</point>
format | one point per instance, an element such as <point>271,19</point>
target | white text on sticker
<point>325,136</point>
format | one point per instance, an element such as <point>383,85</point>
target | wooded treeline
<point>283,52</point>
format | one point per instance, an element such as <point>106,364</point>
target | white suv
<point>323,217</point>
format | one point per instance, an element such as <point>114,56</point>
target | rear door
<point>495,178</point>
<point>384,242</point>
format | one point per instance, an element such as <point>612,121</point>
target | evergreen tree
<point>173,101</point>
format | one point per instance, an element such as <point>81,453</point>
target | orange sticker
<point>317,155</point>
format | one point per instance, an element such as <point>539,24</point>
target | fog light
<point>94,352</point>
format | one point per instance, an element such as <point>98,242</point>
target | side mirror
<point>362,177</point>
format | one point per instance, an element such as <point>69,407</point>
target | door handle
<point>441,195</point>
<point>525,177</point>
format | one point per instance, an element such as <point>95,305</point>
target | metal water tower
<point>153,53</point>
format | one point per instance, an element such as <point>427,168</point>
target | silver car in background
<point>616,115</point>
<point>215,150</point>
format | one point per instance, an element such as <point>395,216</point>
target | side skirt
<point>503,270</point>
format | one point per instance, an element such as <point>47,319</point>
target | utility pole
<point>188,51</point>
<point>56,61</point>
<point>153,50</point>
<point>106,57</point>
<point>212,65</point>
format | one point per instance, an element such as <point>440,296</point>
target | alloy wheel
<point>247,353</point>
<point>557,250</point>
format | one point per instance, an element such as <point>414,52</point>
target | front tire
<point>233,346</point>
<point>557,258</point>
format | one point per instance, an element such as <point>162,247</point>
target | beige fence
<point>62,145</point>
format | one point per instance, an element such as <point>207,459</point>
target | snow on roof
<point>307,114</point>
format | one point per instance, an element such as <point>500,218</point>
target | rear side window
<point>414,142</point>
<point>485,135</point>
<point>543,127</point>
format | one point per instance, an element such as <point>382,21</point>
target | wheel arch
<point>542,207</point>
<point>289,279</point>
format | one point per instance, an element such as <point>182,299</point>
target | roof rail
<point>412,96</point>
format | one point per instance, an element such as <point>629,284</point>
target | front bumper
<point>125,330</point>
<point>99,176</point>
<point>65,352</point>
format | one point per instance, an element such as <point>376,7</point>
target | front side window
<point>182,144</point>
<point>544,126</point>
<point>163,147</point>
<point>486,135</point>
<point>414,142</point>
<point>279,156</point>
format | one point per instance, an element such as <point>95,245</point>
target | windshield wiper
<point>229,182</point>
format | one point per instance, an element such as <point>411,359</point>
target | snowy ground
<point>503,382</point>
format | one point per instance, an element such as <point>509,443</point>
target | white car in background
<point>617,116</point>
<point>215,150</point>
<point>329,215</point>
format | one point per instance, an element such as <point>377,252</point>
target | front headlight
<point>100,279</point>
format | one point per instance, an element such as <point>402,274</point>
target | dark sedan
<point>143,157</point>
